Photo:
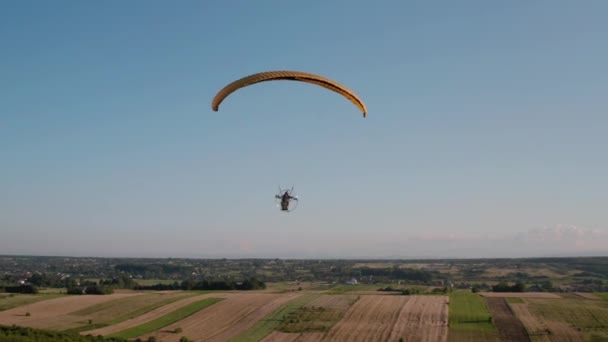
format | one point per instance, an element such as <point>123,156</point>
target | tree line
<point>225,285</point>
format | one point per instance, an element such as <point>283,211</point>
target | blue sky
<point>486,127</point>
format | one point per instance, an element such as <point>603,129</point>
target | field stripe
<point>165,320</point>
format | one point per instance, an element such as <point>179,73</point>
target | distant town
<point>585,274</point>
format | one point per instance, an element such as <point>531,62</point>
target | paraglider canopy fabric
<point>289,76</point>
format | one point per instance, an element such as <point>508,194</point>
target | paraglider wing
<point>290,76</point>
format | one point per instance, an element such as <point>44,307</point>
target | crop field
<point>151,315</point>
<point>101,310</point>
<point>377,317</point>
<point>470,319</point>
<point>542,295</point>
<point>154,281</point>
<point>371,288</point>
<point>572,318</point>
<point>320,315</point>
<point>119,310</point>
<point>502,272</point>
<point>167,319</point>
<point>296,286</point>
<point>309,321</point>
<point>508,325</point>
<point>345,313</point>
<point>423,318</point>
<point>9,301</point>
<point>272,321</point>
<point>54,313</point>
<point>587,295</point>
<point>537,330</point>
<point>227,319</point>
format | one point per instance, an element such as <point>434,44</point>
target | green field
<point>9,301</point>
<point>587,316</point>
<point>272,321</point>
<point>167,319</point>
<point>469,318</point>
<point>51,290</point>
<point>314,317</point>
<point>603,295</point>
<point>515,300</point>
<point>149,282</point>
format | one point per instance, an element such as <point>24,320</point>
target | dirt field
<point>224,320</point>
<point>386,318</point>
<point>543,295</point>
<point>370,318</point>
<point>53,313</point>
<point>149,316</point>
<point>422,318</point>
<point>508,325</point>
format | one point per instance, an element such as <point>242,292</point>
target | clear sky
<point>487,131</point>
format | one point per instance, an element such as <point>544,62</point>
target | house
<point>353,281</point>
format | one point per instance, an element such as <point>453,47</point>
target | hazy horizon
<point>485,136</point>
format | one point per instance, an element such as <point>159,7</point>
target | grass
<point>587,316</point>
<point>469,318</point>
<point>51,290</point>
<point>167,319</point>
<point>274,320</point>
<point>515,300</point>
<point>345,289</point>
<point>8,302</point>
<point>311,318</point>
<point>149,282</point>
<point>603,295</point>
<point>119,310</point>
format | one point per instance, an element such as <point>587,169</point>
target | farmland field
<point>470,319</point>
<point>587,295</point>
<point>266,325</point>
<point>119,310</point>
<point>543,295</point>
<point>319,315</point>
<point>508,325</point>
<point>9,301</point>
<point>147,282</point>
<point>577,318</point>
<point>167,319</point>
<point>150,315</point>
<point>227,319</point>
<point>311,321</point>
<point>380,317</point>
<point>345,313</point>
<point>370,317</point>
<point>54,313</point>
<point>423,318</point>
